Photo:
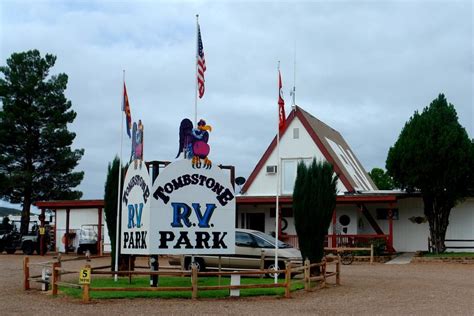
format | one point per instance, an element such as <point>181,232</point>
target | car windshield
<point>269,241</point>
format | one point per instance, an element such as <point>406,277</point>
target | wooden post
<point>85,290</point>
<point>194,281</point>
<point>307,281</point>
<point>26,273</point>
<point>323,272</point>
<point>338,270</point>
<point>288,280</point>
<point>371,253</point>
<point>54,278</point>
<point>262,262</point>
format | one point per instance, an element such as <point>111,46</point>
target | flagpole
<point>196,68</point>
<point>119,197</point>
<point>277,215</point>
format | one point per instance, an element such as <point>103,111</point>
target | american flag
<point>201,65</point>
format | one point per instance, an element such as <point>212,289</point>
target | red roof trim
<point>267,154</point>
<point>316,140</point>
<point>324,151</point>
<point>341,199</point>
<point>69,204</point>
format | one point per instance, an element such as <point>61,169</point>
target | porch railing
<point>342,240</point>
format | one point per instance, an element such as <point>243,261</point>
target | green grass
<point>176,282</point>
<point>449,255</point>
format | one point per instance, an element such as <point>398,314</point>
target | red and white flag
<point>281,105</point>
<point>201,64</point>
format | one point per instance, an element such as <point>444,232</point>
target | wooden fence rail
<point>289,271</point>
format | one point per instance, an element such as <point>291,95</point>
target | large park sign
<point>136,217</point>
<point>188,210</point>
<point>194,210</point>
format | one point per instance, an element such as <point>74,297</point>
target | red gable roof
<point>305,118</point>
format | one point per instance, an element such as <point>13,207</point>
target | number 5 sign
<point>85,276</point>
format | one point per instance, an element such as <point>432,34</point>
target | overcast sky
<point>362,67</point>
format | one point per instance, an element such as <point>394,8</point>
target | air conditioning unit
<point>271,169</point>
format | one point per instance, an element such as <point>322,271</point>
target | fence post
<point>85,289</point>
<point>262,262</point>
<point>371,253</point>
<point>307,282</point>
<point>194,281</point>
<point>54,277</point>
<point>323,271</point>
<point>288,280</point>
<point>26,273</point>
<point>338,270</point>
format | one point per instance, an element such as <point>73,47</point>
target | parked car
<point>249,245</point>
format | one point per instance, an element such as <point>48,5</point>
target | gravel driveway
<point>421,289</point>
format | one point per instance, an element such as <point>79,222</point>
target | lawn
<point>449,255</point>
<point>176,282</point>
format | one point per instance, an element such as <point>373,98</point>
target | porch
<point>355,220</point>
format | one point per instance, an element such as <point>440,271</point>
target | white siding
<point>304,147</point>
<point>461,225</point>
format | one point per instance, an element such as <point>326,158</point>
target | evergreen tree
<point>434,155</point>
<point>314,201</point>
<point>36,159</point>
<point>110,203</point>
<point>381,179</point>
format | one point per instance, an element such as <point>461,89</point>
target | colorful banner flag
<point>281,105</point>
<point>126,109</point>
<point>201,64</point>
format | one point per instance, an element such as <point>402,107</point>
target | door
<point>256,221</point>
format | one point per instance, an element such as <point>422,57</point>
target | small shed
<point>70,216</point>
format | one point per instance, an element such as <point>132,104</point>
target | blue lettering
<point>204,219</point>
<point>181,213</point>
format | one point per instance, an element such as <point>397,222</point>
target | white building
<point>362,212</point>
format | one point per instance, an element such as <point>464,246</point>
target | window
<point>243,240</point>
<point>289,173</point>
<point>296,133</point>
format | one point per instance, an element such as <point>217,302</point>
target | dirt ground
<point>421,289</point>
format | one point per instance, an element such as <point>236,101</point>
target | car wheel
<point>2,247</point>
<point>10,251</point>
<point>28,248</point>
<point>80,250</point>
<point>199,262</point>
<point>270,265</point>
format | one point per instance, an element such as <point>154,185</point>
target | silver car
<point>249,245</point>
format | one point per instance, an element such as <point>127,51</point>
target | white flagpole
<point>119,197</point>
<point>196,66</point>
<point>277,215</point>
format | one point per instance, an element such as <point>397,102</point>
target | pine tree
<point>314,201</point>
<point>36,159</point>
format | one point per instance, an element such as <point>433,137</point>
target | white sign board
<point>192,211</point>
<point>136,203</point>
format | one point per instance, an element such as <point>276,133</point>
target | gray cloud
<point>362,67</point>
